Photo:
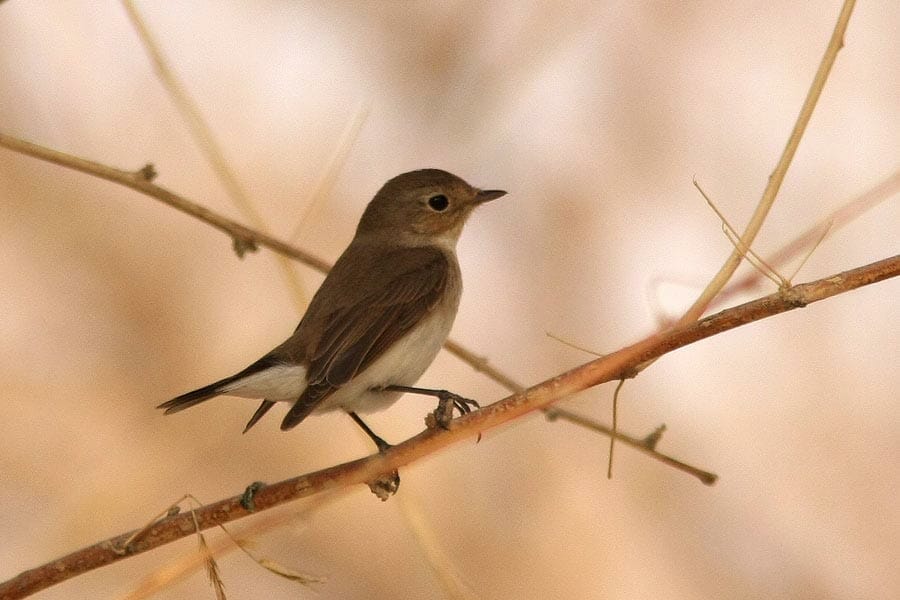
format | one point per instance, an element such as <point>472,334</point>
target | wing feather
<point>382,303</point>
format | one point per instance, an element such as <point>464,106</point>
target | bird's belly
<point>402,364</point>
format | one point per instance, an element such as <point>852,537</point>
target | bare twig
<point>777,177</point>
<point>607,368</point>
<point>139,181</point>
<point>758,262</point>
<point>249,238</point>
<point>208,144</point>
<point>829,224</point>
<point>151,583</point>
<point>332,168</point>
<point>615,427</point>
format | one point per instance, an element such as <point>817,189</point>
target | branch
<point>831,223</point>
<point>608,368</point>
<point>208,144</point>
<point>777,176</point>
<point>141,181</point>
<point>838,218</point>
<point>249,239</point>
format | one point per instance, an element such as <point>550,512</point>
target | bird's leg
<point>382,445</point>
<point>385,485</point>
<point>447,401</point>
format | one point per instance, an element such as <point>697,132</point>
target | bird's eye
<point>439,203</point>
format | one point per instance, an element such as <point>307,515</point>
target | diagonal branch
<point>141,181</point>
<point>610,367</point>
<point>249,239</point>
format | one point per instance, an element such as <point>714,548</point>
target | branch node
<point>653,438</point>
<point>385,486</point>
<point>249,493</point>
<point>243,245</point>
<point>146,173</point>
<point>792,297</point>
<point>631,373</point>
<point>118,549</point>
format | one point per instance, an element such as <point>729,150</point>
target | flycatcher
<point>379,318</point>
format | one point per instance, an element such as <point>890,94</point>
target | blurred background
<point>595,117</point>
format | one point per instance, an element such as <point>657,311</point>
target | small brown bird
<point>379,318</point>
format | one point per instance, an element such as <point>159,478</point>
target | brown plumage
<point>381,314</point>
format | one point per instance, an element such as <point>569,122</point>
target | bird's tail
<point>200,395</point>
<point>218,388</point>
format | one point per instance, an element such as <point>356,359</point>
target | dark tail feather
<point>263,409</point>
<point>197,396</point>
<point>305,404</point>
<point>214,389</point>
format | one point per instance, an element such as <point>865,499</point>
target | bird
<point>380,316</point>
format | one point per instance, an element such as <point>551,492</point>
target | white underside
<point>402,364</point>
<point>278,383</point>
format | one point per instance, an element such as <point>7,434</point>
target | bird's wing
<point>377,305</point>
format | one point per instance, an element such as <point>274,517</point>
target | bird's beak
<point>483,196</point>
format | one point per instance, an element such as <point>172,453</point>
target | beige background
<point>595,118</point>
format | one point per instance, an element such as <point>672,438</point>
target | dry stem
<point>610,367</point>
<point>777,177</point>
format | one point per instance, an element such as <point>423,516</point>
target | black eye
<point>439,202</point>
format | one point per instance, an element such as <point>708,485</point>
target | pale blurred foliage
<point>594,117</point>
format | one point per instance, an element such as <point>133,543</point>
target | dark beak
<point>487,195</point>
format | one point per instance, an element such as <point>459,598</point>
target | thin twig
<point>838,218</point>
<point>832,222</point>
<point>777,177</point>
<point>825,231</point>
<point>332,167</point>
<point>151,583</point>
<point>208,144</point>
<point>609,367</point>
<point>748,253</point>
<point>139,181</point>
<point>615,427</point>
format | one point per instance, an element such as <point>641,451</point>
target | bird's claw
<point>443,414</point>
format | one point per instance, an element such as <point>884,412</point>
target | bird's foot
<point>249,493</point>
<point>443,414</point>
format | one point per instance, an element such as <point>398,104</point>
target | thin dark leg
<point>382,445</point>
<point>385,485</point>
<point>447,401</point>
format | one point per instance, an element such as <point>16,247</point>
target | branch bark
<point>608,368</point>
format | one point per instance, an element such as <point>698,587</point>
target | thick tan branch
<point>610,367</point>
